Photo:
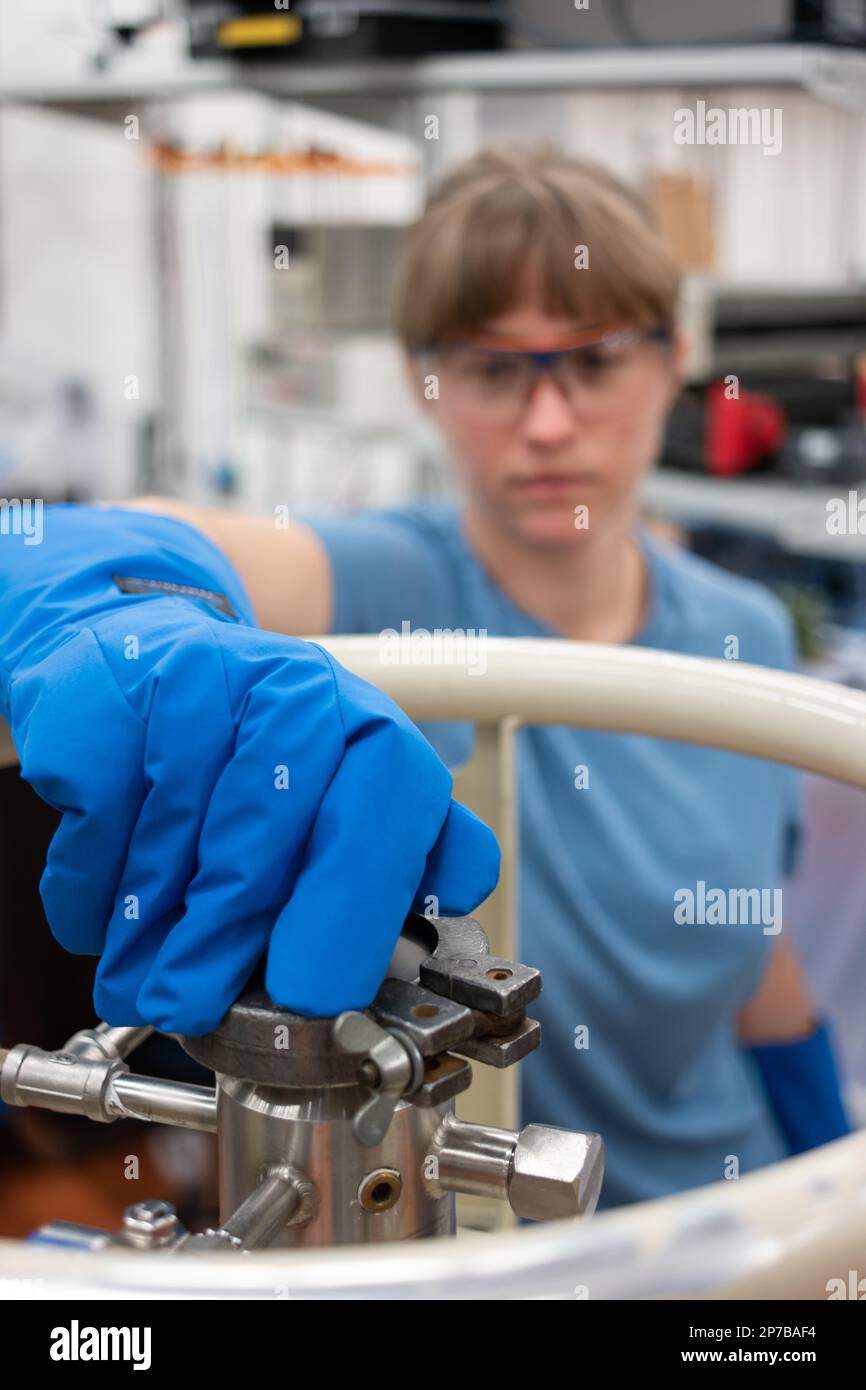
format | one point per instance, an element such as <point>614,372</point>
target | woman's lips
<point>549,484</point>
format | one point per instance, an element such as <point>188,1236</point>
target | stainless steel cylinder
<point>364,1195</point>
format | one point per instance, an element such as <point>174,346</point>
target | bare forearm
<point>285,569</point>
<point>781,1008</point>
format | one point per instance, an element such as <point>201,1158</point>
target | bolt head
<point>556,1173</point>
<point>150,1222</point>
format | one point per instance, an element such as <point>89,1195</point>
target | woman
<point>536,304</point>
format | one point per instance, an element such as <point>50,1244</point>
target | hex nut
<point>151,1222</point>
<point>555,1173</point>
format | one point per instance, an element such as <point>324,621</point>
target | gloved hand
<point>225,791</point>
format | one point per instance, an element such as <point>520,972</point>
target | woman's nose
<point>549,417</point>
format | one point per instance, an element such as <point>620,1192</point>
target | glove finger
<point>462,868</point>
<point>80,746</point>
<point>367,851</point>
<point>190,738</point>
<point>251,846</point>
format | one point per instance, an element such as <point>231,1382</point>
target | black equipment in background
<point>339,31</point>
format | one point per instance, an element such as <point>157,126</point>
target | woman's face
<point>530,459</point>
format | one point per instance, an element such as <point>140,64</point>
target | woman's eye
<point>495,372</point>
<point>598,359</point>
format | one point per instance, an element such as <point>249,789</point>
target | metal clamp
<point>450,996</point>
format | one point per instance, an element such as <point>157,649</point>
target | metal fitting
<point>284,1196</point>
<point>151,1225</point>
<point>87,1080</point>
<point>555,1173</point>
<point>64,1081</point>
<point>543,1172</point>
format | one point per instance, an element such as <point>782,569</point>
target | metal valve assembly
<point>335,1131</point>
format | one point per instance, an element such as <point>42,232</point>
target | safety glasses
<point>593,370</point>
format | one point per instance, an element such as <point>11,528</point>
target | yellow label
<point>258,31</point>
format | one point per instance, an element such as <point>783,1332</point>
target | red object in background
<point>860,386</point>
<point>741,431</point>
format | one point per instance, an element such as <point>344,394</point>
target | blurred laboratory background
<point>201,206</point>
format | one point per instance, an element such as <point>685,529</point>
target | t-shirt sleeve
<point>794,829</point>
<point>385,571</point>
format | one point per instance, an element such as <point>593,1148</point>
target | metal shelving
<point>794,513</point>
<point>834,75</point>
<point>813,67</point>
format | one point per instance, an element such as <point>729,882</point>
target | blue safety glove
<point>802,1085</point>
<point>226,792</point>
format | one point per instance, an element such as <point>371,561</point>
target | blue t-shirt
<point>637,1010</point>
